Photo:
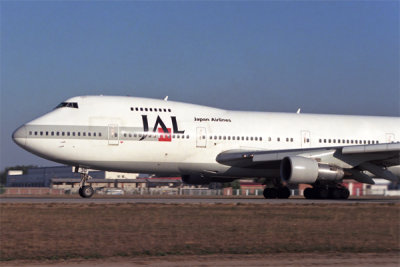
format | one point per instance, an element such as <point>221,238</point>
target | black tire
<point>270,193</point>
<point>284,192</point>
<point>86,191</point>
<point>336,193</point>
<point>323,193</point>
<point>80,192</point>
<point>309,193</point>
<point>345,193</point>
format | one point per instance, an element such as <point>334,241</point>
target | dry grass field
<point>65,231</point>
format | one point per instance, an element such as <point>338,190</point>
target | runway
<point>193,200</point>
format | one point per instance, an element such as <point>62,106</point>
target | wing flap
<point>378,148</point>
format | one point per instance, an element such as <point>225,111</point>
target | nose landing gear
<point>85,191</point>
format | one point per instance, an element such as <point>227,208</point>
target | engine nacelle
<point>299,170</point>
<point>200,180</point>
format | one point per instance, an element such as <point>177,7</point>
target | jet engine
<point>299,170</point>
<point>200,179</point>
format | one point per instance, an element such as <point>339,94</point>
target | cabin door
<point>305,139</point>
<point>201,137</point>
<point>389,138</point>
<point>113,134</point>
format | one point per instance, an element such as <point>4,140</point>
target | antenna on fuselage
<point>166,98</point>
<point>298,111</point>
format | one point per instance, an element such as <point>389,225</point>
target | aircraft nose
<point>19,136</point>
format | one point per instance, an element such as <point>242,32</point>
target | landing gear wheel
<point>336,193</point>
<point>86,191</point>
<point>283,192</point>
<point>345,193</point>
<point>270,193</point>
<point>309,193</point>
<point>323,193</point>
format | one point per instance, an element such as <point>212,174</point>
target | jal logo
<point>160,127</point>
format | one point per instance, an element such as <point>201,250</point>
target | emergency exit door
<point>201,137</point>
<point>305,139</point>
<point>113,134</point>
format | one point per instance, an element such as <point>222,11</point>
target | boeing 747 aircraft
<point>204,144</point>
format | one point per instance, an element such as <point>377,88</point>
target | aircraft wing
<point>375,159</point>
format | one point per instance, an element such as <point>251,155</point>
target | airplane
<point>204,144</point>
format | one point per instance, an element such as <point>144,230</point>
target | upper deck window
<point>68,105</point>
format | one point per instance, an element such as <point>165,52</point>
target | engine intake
<point>299,170</point>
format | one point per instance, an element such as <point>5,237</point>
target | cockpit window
<point>68,105</point>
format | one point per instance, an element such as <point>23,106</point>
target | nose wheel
<point>86,191</point>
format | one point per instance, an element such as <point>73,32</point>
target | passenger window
<point>165,110</point>
<point>141,109</point>
<point>278,139</point>
<point>260,138</point>
<point>73,133</point>
<point>269,139</point>
<point>187,136</point>
<point>63,133</point>
<point>89,134</point>
<point>137,109</point>
<point>287,139</point>
<point>169,110</point>
<point>84,133</point>
<point>94,134</point>
<point>151,109</point>
<point>52,133</point>
<point>79,133</point>
<point>115,135</point>
<point>68,133</point>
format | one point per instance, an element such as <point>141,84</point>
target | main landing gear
<point>327,192</point>
<point>276,192</point>
<point>276,189</point>
<point>85,191</point>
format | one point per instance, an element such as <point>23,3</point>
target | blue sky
<point>325,57</point>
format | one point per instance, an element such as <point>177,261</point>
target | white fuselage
<point>129,134</point>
